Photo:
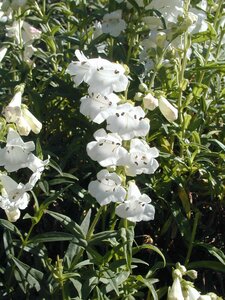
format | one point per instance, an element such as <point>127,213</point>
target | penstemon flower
<point>101,75</point>
<point>167,109</point>
<point>17,113</point>
<point>141,158</point>
<point>175,292</point>
<point>107,149</point>
<point>136,207</point>
<point>17,154</point>
<point>113,23</point>
<point>14,197</point>
<point>98,107</point>
<point>128,121</point>
<point>107,188</point>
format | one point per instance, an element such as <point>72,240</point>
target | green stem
<point>193,234</point>
<point>89,235</point>
<point>24,243</point>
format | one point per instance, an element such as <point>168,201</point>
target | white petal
<point>167,109</point>
<point>33,122</point>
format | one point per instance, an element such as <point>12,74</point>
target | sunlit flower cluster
<point>16,155</point>
<point>182,289</point>
<point>167,25</point>
<point>121,146</point>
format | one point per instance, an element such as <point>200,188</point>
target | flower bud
<point>138,96</point>
<point>13,215</point>
<point>167,109</point>
<point>150,102</point>
<point>192,274</point>
<point>143,87</point>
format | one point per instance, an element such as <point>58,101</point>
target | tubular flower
<point>167,109</point>
<point>17,154</point>
<point>128,121</point>
<point>98,107</point>
<point>14,197</point>
<point>16,113</point>
<point>101,75</point>
<point>175,292</point>
<point>107,149</point>
<point>113,23</point>
<point>107,188</point>
<point>141,158</point>
<point>136,207</point>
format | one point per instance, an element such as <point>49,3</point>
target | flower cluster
<point>16,155</point>
<point>182,289</point>
<point>170,19</point>
<point>121,146</point>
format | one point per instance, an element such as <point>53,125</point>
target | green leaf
<point>181,220</point>
<point>127,237</point>
<point>31,276</point>
<point>8,225</point>
<point>207,264</point>
<point>219,254</point>
<point>86,223</point>
<point>70,225</point>
<point>54,236</point>
<point>150,247</point>
<point>103,236</point>
<point>149,283</point>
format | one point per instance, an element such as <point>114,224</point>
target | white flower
<point>136,208</point>
<point>113,23</point>
<point>175,292</point>
<point>14,30</point>
<point>107,188</point>
<point>97,29</point>
<point>14,197</point>
<point>170,10</point>
<point>29,33</point>
<point>17,154</point>
<point>16,113</point>
<point>107,149</point>
<point>150,102</point>
<point>199,21</point>
<point>101,75</point>
<point>141,158</point>
<point>3,51</point>
<point>192,293</point>
<point>128,121</point>
<point>98,107</point>
<point>167,109</point>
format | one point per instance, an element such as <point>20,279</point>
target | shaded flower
<point>113,23</point>
<point>17,113</point>
<point>107,188</point>
<point>107,149</point>
<point>141,158</point>
<point>14,197</point>
<point>98,107</point>
<point>175,292</point>
<point>128,121</point>
<point>17,154</point>
<point>101,75</point>
<point>136,207</point>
